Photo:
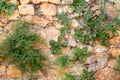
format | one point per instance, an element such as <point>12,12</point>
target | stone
<point>90,48</point>
<point>27,18</point>
<point>114,51</point>
<point>58,25</point>
<point>67,51</point>
<point>101,62</point>
<point>77,69</point>
<point>13,72</point>
<point>3,20</point>
<point>106,74</point>
<point>100,48</point>
<point>97,62</point>
<point>67,2</point>
<point>96,9</point>
<point>72,42</point>
<point>24,1</point>
<point>15,15</point>
<point>40,21</point>
<point>74,23</point>
<point>115,40</point>
<point>48,9</point>
<point>112,63</point>
<point>26,9</point>
<point>1,59</point>
<point>16,2</point>
<point>39,1</point>
<point>2,70</point>
<point>112,11</point>
<point>55,1</point>
<point>92,59</point>
<point>64,9</point>
<point>50,33</point>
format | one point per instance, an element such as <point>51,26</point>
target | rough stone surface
<point>74,23</point>
<point>67,1</point>
<point>55,1</point>
<point>114,51</point>
<point>115,40</point>
<point>92,59</point>
<point>48,9</point>
<point>97,63</point>
<point>72,42</point>
<point>26,9</point>
<point>112,63</point>
<point>100,48</point>
<point>3,20</point>
<point>16,2</point>
<point>2,70</point>
<point>106,74</point>
<point>50,33</point>
<point>13,72</point>
<point>39,1</point>
<point>24,1</point>
<point>112,11</point>
<point>64,9</point>
<point>40,21</point>
<point>14,16</point>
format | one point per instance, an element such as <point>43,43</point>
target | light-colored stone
<point>40,21</point>
<point>67,1</point>
<point>112,63</point>
<point>27,18</point>
<point>55,1</point>
<point>65,9</point>
<point>48,9</point>
<point>100,48</point>
<point>72,42</point>
<point>74,23</point>
<point>97,62</point>
<point>77,69</point>
<point>101,62</point>
<point>16,2</point>
<point>26,9</point>
<point>92,59</point>
<point>115,40</point>
<point>112,11</point>
<point>24,1</point>
<point>114,51</point>
<point>14,16</point>
<point>50,33</point>
<point>58,25</point>
<point>106,74</point>
<point>39,1</point>
<point>13,72</point>
<point>3,20</point>
<point>2,70</point>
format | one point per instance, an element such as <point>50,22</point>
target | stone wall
<point>42,15</point>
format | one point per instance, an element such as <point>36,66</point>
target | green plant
<point>65,21</point>
<point>87,75</point>
<point>62,61</point>
<point>7,7</point>
<point>56,46</point>
<point>79,5</point>
<point>20,49</point>
<point>69,76</point>
<point>80,54</point>
<point>96,27</point>
<point>39,12</point>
